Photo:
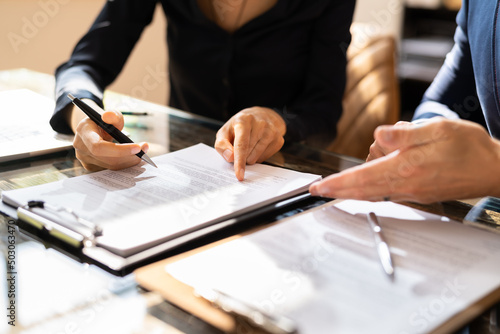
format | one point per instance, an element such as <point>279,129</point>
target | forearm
<point>79,83</point>
<point>452,93</point>
<point>73,115</point>
<point>314,113</point>
<point>315,125</point>
<point>99,56</point>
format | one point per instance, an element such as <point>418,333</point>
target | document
<point>321,270</point>
<point>25,131</point>
<point>51,286</point>
<point>142,206</point>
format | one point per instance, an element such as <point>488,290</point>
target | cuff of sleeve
<point>58,119</point>
<point>310,128</point>
<point>293,133</point>
<point>429,109</point>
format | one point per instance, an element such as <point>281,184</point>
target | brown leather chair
<point>372,93</point>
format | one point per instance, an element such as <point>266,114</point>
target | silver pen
<point>383,251</point>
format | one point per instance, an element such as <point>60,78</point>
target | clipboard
<point>121,220</point>
<point>39,221</point>
<point>156,278</point>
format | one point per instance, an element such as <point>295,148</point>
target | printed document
<point>141,206</point>
<point>24,130</point>
<point>321,269</point>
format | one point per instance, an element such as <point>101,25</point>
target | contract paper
<point>141,206</point>
<point>321,269</point>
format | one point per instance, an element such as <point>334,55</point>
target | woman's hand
<point>252,135</point>
<point>94,147</point>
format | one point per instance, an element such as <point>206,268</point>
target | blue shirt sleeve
<point>455,81</point>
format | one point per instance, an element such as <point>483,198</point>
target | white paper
<point>321,269</point>
<point>143,204</point>
<point>50,286</point>
<point>25,129</point>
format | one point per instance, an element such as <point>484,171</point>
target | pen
<point>383,251</point>
<point>273,324</point>
<point>135,113</point>
<point>110,129</point>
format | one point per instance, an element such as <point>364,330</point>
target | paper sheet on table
<point>321,269</point>
<point>50,285</point>
<point>24,129</point>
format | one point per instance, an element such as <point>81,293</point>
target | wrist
<point>74,115</point>
<point>277,120</point>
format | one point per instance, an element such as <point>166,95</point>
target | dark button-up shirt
<point>290,59</point>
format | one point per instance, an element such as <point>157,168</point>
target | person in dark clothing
<point>272,70</point>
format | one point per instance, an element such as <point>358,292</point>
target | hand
<point>436,161</point>
<point>94,147</point>
<point>252,135</point>
<point>378,151</point>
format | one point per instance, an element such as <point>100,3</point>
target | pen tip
<point>71,97</point>
<point>148,160</point>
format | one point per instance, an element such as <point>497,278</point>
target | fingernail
<point>241,174</point>
<point>321,189</point>
<point>318,190</point>
<point>313,189</point>
<point>227,154</point>
<point>145,148</point>
<point>135,149</point>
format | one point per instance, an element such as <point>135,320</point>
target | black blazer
<point>291,59</point>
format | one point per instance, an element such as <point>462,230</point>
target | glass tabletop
<point>166,130</point>
<point>43,279</point>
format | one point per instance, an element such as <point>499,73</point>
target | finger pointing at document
<point>436,161</point>
<point>252,135</point>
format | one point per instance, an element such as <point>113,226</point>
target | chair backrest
<point>371,96</point>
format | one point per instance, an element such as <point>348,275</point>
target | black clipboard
<point>42,222</point>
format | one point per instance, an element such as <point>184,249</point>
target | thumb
<point>388,136</point>
<point>114,118</point>
<point>402,136</point>
<point>223,143</point>
<point>396,137</point>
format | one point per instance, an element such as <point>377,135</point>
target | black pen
<point>110,129</point>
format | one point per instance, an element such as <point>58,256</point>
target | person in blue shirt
<point>451,149</point>
<point>271,70</point>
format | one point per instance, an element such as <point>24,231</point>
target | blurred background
<point>40,34</point>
